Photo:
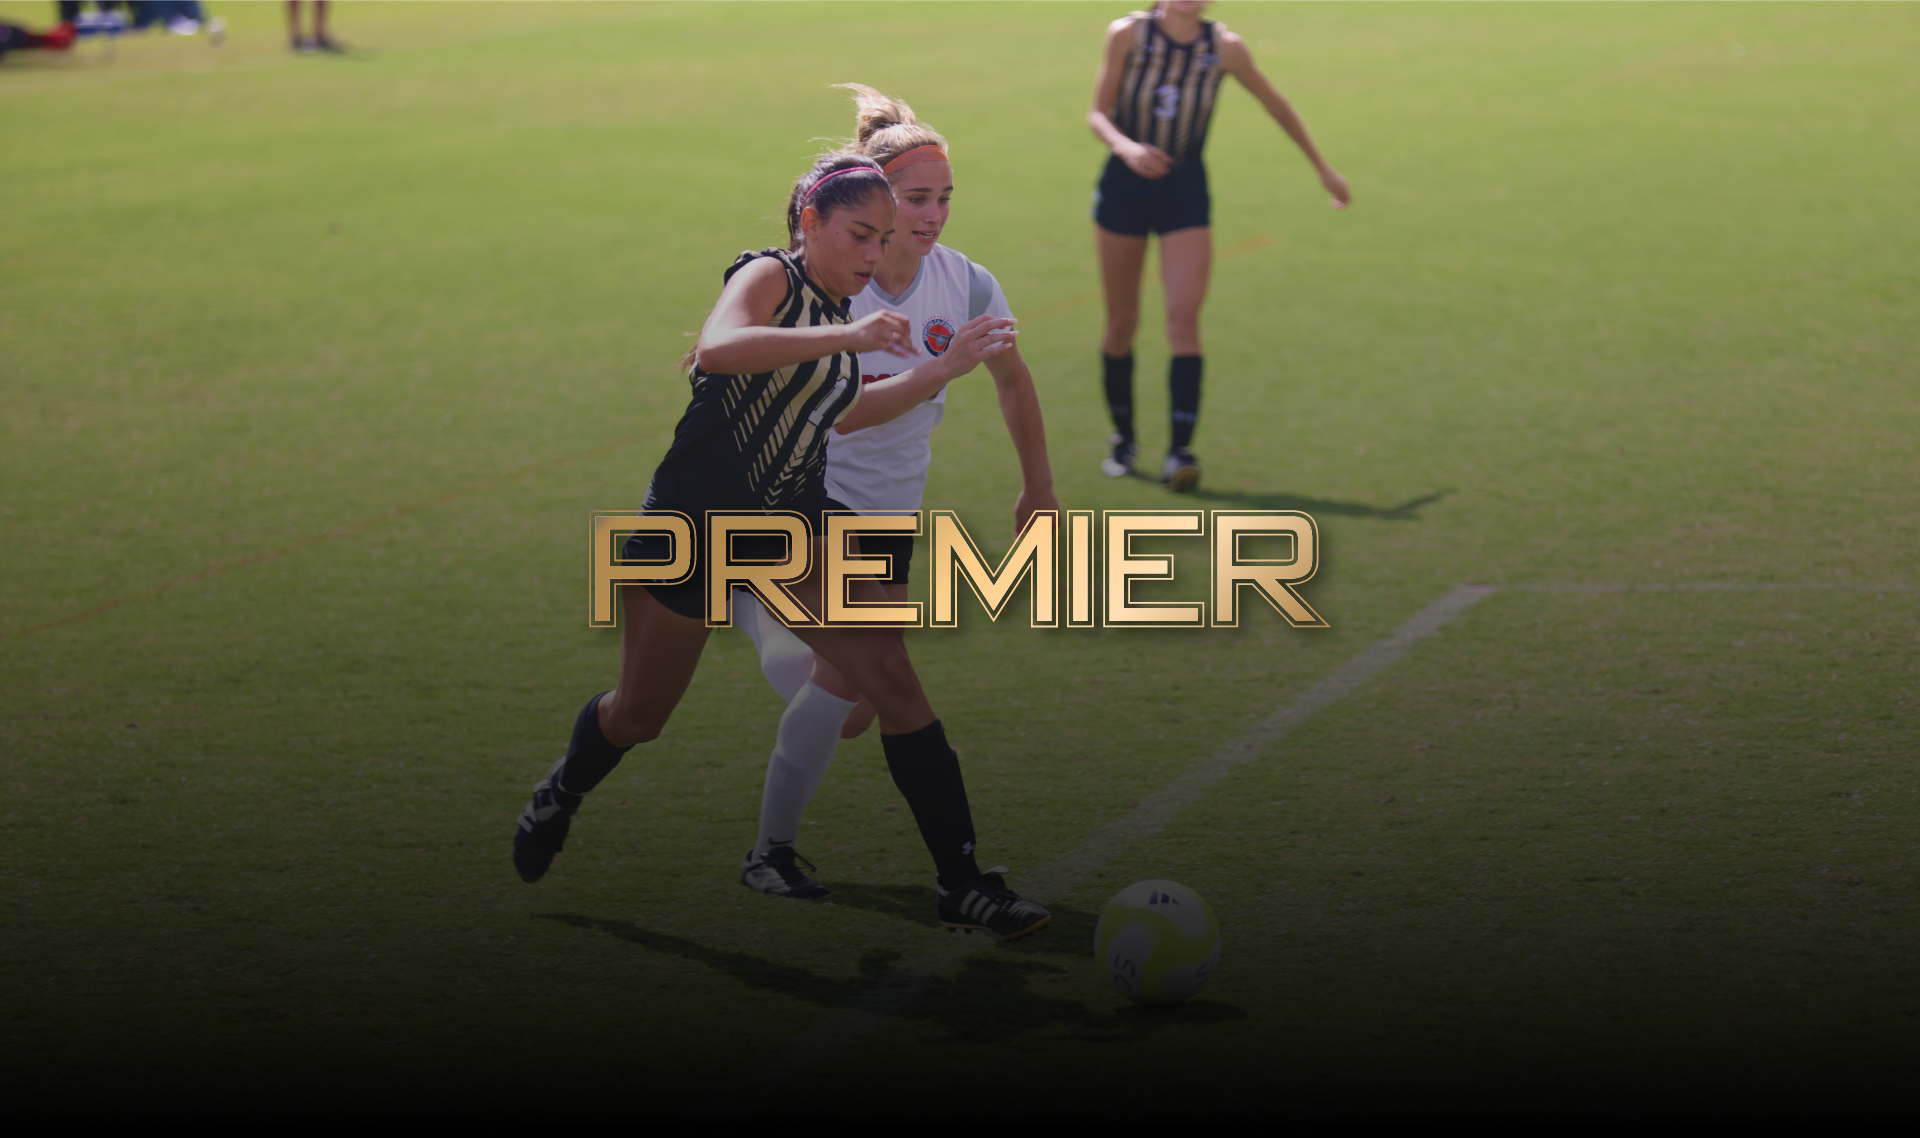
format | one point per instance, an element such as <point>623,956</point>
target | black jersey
<point>1167,91</point>
<point>759,442</point>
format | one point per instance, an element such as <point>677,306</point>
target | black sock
<point>590,757</point>
<point>928,774</point>
<point>1183,382</point>
<point>1117,373</point>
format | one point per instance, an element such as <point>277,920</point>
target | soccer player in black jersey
<point>1152,103</point>
<point>773,372</point>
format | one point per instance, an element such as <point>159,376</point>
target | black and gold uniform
<point>753,442</point>
<point>1166,100</point>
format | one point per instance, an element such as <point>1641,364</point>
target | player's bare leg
<point>1186,265</point>
<point>1123,261</point>
<point>829,678</point>
<point>659,650</point>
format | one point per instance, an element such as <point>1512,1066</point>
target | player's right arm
<point>885,400</point>
<point>738,341</point>
<point>1146,161</point>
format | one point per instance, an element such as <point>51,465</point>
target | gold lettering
<point>954,549</point>
<point>1123,568</point>
<point>608,573</point>
<point>1080,569</point>
<point>767,579</point>
<point>841,571</point>
<point>1272,578</point>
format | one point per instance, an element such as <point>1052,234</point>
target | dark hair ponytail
<point>858,176</point>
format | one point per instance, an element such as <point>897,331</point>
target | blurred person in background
<point>111,17</point>
<point>319,40</point>
<point>17,37</point>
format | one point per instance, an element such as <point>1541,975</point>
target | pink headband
<point>832,176</point>
<point>927,153</point>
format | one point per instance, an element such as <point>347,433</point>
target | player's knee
<point>857,723</point>
<point>786,672</point>
<point>626,725</point>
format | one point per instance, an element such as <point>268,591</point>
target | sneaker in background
<point>777,874</point>
<point>1182,471</point>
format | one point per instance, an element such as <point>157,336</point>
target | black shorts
<point>689,597</point>
<point>1126,203</point>
<point>894,545</point>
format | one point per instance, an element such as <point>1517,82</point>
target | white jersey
<point>885,467</point>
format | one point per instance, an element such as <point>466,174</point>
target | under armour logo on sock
<point>967,849</point>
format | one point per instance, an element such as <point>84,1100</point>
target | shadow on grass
<point>991,998</point>
<point>1070,931</point>
<point>1408,510</point>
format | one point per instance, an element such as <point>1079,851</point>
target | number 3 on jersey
<point>1169,102</point>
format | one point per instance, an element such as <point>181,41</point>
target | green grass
<point>345,350</point>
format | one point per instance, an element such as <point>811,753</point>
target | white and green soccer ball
<point>1158,941</point>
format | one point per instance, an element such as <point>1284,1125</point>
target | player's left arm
<point>1239,61</point>
<point>1020,407</point>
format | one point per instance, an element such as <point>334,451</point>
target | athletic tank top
<point>1167,91</point>
<point>759,442</point>
<point>885,467</point>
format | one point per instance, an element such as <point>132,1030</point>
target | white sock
<point>785,660</point>
<point>809,732</point>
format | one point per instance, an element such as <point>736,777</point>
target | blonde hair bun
<point>884,127</point>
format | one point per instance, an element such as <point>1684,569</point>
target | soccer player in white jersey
<point>885,468</point>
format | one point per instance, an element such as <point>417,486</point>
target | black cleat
<point>542,827</point>
<point>1119,460</point>
<point>1182,471</point>
<point>987,903</point>
<point>776,874</point>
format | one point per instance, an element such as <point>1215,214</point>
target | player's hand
<point>882,332</point>
<point>1147,161</point>
<point>1031,502</point>
<point>977,339</point>
<point>1337,186</point>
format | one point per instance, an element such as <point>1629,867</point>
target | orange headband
<point>919,154</point>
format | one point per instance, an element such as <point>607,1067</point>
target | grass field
<point>312,370</point>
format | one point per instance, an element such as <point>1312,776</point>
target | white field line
<point>868,1011</point>
<point>1713,587</point>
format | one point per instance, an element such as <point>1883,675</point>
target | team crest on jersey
<point>937,335</point>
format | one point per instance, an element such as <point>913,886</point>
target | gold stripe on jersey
<point>800,455</point>
<point>1168,89</point>
<point>771,421</point>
